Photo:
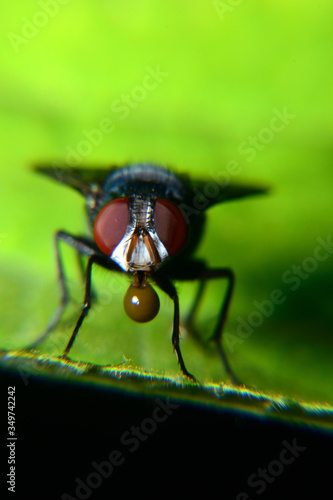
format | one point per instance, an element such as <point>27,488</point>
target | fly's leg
<point>83,249</point>
<point>82,267</point>
<point>205,275</point>
<point>196,302</point>
<point>218,332</point>
<point>167,286</point>
<point>85,307</point>
<point>197,271</point>
<point>189,322</point>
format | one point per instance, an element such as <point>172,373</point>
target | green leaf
<point>125,377</point>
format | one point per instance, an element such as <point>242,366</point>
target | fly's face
<point>139,233</point>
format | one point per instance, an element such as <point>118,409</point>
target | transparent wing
<point>205,194</point>
<point>77,178</point>
<point>199,193</point>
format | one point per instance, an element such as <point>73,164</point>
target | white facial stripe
<point>134,252</point>
<point>138,258</point>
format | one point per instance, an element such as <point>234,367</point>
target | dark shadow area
<point>306,308</point>
<point>66,434</point>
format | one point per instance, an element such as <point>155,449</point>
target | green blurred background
<point>194,86</point>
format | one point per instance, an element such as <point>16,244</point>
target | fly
<point>145,221</point>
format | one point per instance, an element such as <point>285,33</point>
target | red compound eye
<point>110,225</point>
<point>170,225</point>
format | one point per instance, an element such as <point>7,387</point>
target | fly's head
<point>139,233</point>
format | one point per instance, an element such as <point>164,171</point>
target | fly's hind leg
<point>199,272</point>
<point>217,335</point>
<point>82,248</point>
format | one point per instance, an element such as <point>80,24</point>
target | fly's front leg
<point>83,249</point>
<point>197,271</point>
<point>167,286</point>
<point>85,307</point>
